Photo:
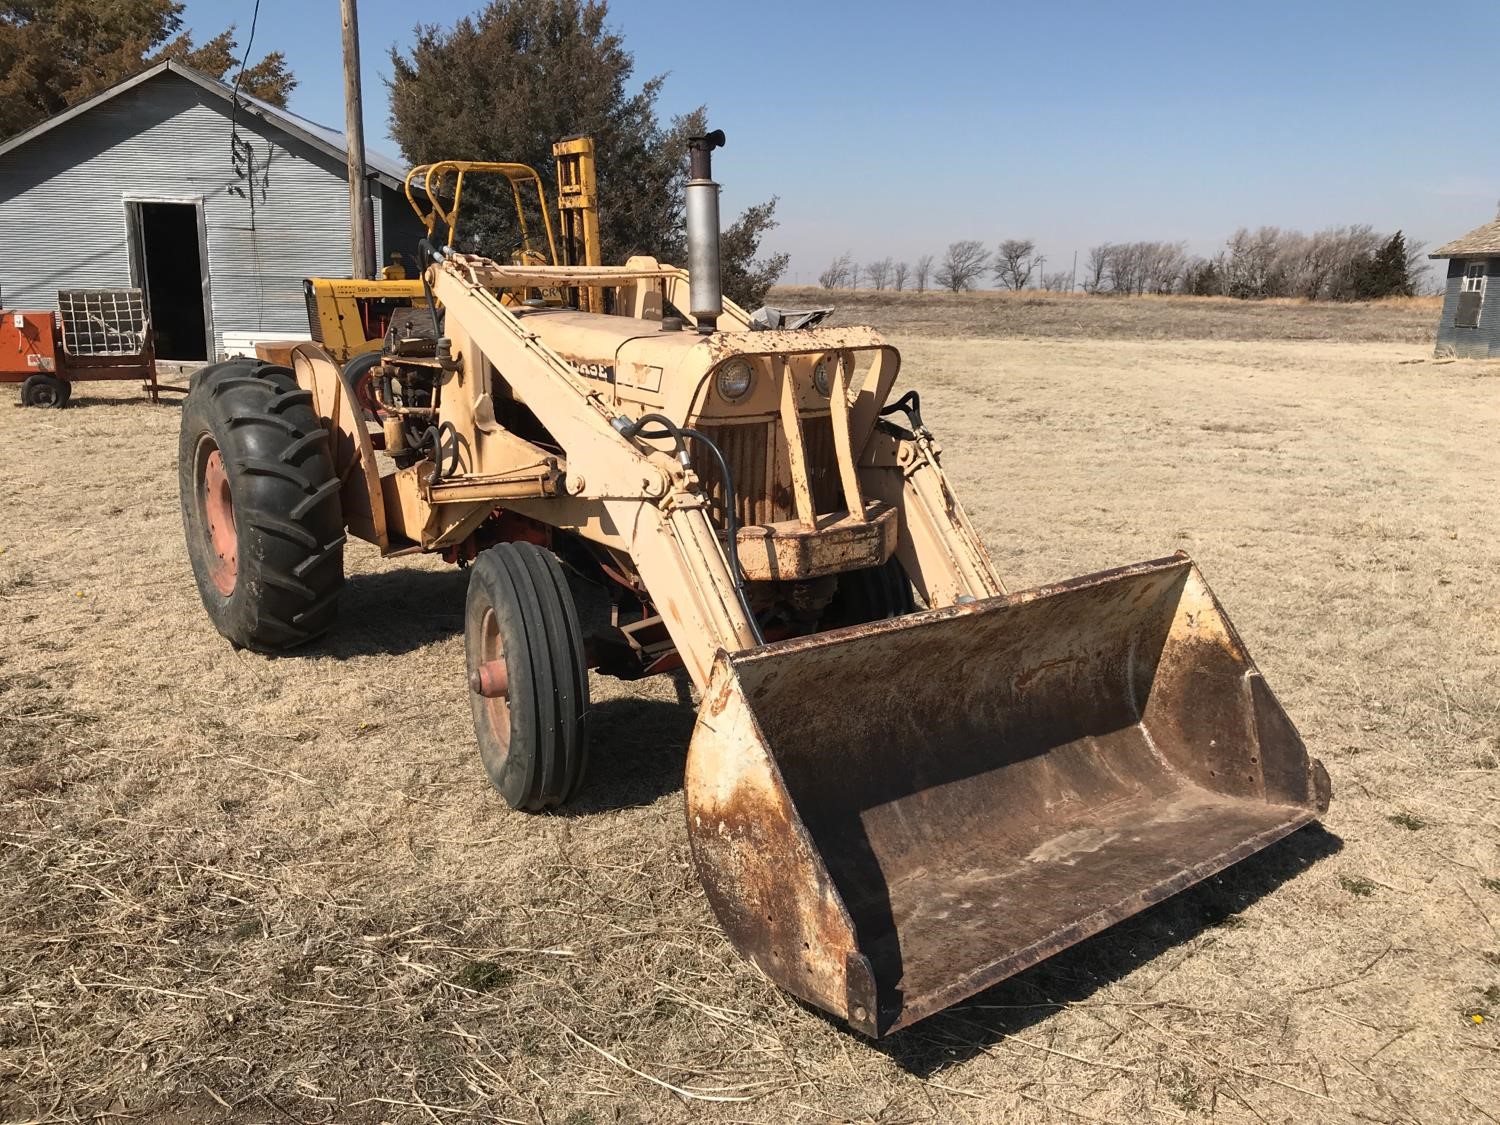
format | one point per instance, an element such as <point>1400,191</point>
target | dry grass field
<point>244,889</point>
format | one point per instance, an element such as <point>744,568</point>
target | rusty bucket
<point>892,817</point>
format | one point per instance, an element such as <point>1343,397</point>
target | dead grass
<point>1040,315</point>
<point>235,888</point>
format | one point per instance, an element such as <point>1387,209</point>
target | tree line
<point>1349,263</point>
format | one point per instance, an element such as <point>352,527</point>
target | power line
<point>239,148</point>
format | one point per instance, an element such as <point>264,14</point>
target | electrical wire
<point>667,428</point>
<point>244,59</point>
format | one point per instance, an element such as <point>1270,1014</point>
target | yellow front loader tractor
<point>905,783</point>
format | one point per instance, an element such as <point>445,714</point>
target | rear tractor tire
<point>260,506</point>
<point>46,391</point>
<point>528,679</point>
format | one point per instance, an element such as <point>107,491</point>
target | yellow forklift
<point>349,318</point>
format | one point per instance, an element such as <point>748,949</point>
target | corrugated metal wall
<point>62,213</point>
<point>1474,343</point>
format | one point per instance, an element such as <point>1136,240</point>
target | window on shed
<point>1471,296</point>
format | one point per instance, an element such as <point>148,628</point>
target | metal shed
<point>143,186</point>
<point>1470,325</point>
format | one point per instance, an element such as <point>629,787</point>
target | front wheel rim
<point>489,681</point>
<point>217,505</point>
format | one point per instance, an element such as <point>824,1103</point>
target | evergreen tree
<point>1388,275</point>
<point>521,74</point>
<point>56,53</point>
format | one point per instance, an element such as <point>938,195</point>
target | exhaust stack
<point>705,292</point>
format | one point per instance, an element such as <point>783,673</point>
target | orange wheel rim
<point>218,520</point>
<point>491,681</point>
<point>364,394</point>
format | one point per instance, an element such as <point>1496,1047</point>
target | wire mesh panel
<point>102,321</point>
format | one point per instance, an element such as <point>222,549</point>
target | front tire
<point>869,595</point>
<point>528,679</point>
<point>260,506</point>
<point>359,374</point>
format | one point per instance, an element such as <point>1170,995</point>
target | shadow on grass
<point>637,751</point>
<point>1072,976</point>
<point>85,401</point>
<point>637,745</point>
<point>398,611</point>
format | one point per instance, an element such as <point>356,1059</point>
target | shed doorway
<point>166,262</point>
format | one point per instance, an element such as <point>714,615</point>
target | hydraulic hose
<point>909,404</point>
<point>666,428</point>
<point>427,253</point>
<point>434,434</point>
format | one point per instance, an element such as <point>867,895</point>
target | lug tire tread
<point>281,478</point>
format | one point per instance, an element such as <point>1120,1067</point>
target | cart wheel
<point>260,506</point>
<point>45,390</point>
<point>528,681</point>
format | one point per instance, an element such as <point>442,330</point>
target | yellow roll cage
<point>445,178</point>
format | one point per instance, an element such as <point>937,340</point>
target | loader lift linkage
<point>890,808</point>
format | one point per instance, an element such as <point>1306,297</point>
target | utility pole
<point>361,242</point>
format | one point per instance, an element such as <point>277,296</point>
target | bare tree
<point>922,272</point>
<point>898,276</point>
<point>1253,264</point>
<point>878,274</point>
<point>840,272</point>
<point>1133,268</point>
<point>1097,267</point>
<point>1060,282</point>
<point>1162,266</point>
<point>963,264</point>
<point>1124,273</point>
<point>1015,262</point>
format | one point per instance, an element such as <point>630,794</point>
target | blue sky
<point>895,128</point>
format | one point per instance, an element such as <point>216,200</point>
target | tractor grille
<point>822,464</point>
<point>314,321</point>
<point>762,471</point>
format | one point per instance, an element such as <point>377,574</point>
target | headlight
<point>823,378</point>
<point>734,380</point>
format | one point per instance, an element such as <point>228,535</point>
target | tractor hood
<point>674,370</point>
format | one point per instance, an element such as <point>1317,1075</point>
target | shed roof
<point>384,168</point>
<point>1481,242</point>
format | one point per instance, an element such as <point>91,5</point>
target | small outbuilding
<point>215,204</point>
<point>1470,325</point>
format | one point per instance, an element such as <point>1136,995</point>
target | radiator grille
<point>762,471</point>
<point>314,321</point>
<point>822,464</point>
<point>747,448</point>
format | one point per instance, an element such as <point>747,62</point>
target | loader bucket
<point>892,817</point>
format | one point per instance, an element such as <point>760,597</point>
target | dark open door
<point>168,266</point>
